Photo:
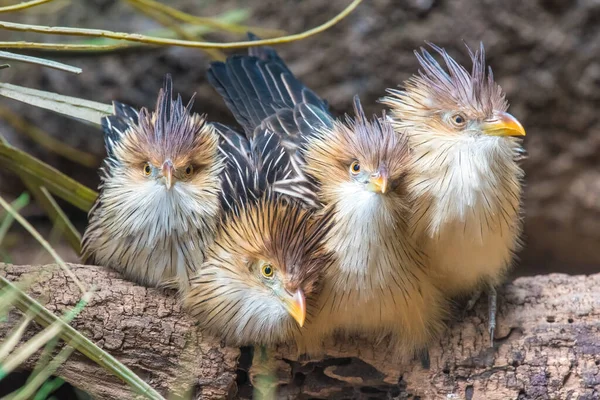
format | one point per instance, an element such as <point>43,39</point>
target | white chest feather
<point>378,282</point>
<point>468,196</point>
<point>150,234</point>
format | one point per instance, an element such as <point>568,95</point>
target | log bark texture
<point>145,329</point>
<point>547,346</point>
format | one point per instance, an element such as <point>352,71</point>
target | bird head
<point>361,156</point>
<point>453,103</point>
<point>261,271</point>
<point>169,147</point>
<point>162,170</point>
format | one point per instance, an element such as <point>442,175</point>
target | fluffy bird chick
<point>377,283</point>
<point>467,187</point>
<point>159,199</point>
<point>261,273</point>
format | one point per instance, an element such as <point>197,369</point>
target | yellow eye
<point>267,270</point>
<point>147,169</point>
<point>355,167</point>
<point>189,169</point>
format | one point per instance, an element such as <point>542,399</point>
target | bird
<point>356,171</point>
<point>261,275</point>
<point>467,187</point>
<point>159,195</point>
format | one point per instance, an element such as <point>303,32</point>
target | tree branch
<point>547,346</point>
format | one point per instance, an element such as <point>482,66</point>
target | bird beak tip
<point>504,124</point>
<point>297,307</point>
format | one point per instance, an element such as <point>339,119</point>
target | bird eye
<point>267,270</point>
<point>147,169</point>
<point>355,167</point>
<point>189,169</point>
<point>458,120</point>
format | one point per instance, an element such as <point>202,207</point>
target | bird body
<point>377,283</point>
<point>467,182</point>
<point>262,274</point>
<point>159,194</point>
<point>467,212</point>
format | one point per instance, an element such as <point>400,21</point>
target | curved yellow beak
<point>296,306</point>
<point>167,173</point>
<point>378,182</point>
<point>503,124</point>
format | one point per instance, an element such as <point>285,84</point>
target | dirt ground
<point>544,53</point>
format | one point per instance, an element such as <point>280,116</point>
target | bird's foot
<point>492,299</point>
<point>473,300</point>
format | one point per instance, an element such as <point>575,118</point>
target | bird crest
<point>453,87</point>
<point>371,141</point>
<point>172,131</point>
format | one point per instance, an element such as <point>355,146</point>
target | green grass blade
<point>49,387</point>
<point>55,181</point>
<point>57,215</point>
<point>6,219</point>
<point>40,61</point>
<point>46,140</point>
<point>41,378</point>
<point>11,341</point>
<point>83,344</point>
<point>41,338</point>
<point>73,107</point>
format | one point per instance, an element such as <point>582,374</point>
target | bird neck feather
<point>461,178</point>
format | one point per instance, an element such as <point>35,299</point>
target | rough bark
<point>143,328</point>
<point>547,346</point>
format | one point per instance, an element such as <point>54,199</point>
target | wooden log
<point>143,328</point>
<point>547,346</point>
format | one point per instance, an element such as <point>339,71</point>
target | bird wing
<point>266,99</point>
<point>251,168</point>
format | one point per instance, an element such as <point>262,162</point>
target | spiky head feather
<point>373,143</point>
<point>228,297</point>
<point>437,90</point>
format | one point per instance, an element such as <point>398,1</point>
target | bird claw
<point>492,305</point>
<point>492,298</point>
<point>473,300</point>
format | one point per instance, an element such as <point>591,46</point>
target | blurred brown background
<point>545,54</point>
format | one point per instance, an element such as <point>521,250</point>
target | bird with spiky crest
<point>467,186</point>
<point>262,274</point>
<point>356,171</point>
<point>159,200</point>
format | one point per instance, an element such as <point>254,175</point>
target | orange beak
<point>296,306</point>
<point>378,181</point>
<point>503,124</point>
<point>167,173</point>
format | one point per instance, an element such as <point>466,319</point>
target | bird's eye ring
<point>355,167</point>
<point>189,169</point>
<point>147,169</point>
<point>458,119</point>
<point>267,270</point>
